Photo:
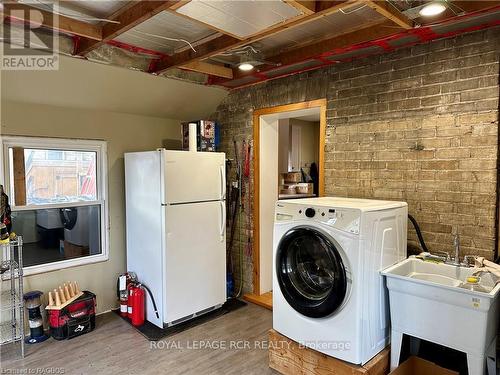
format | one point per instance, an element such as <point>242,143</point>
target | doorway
<point>293,124</point>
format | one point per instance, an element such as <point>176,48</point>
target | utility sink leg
<point>491,357</point>
<point>396,343</point>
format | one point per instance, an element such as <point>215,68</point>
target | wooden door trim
<point>319,103</point>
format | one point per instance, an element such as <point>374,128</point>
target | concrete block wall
<point>419,125</point>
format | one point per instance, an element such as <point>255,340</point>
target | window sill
<point>64,264</point>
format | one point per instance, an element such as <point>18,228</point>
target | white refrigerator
<point>176,231</point>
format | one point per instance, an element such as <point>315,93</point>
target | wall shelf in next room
<point>295,196</point>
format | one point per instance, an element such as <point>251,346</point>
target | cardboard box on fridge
<point>206,135</point>
<point>419,366</point>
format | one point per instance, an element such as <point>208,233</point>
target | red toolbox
<point>74,319</point>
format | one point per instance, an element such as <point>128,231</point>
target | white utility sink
<point>433,278</point>
<point>427,302</point>
<point>438,273</point>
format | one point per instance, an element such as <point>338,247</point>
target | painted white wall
<point>268,178</point>
<point>88,85</point>
<point>268,185</point>
<point>124,133</point>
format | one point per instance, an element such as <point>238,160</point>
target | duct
<point>186,75</point>
<point>112,55</point>
<point>105,54</point>
<point>108,54</point>
<point>60,43</point>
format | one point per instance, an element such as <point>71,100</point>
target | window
<point>58,195</point>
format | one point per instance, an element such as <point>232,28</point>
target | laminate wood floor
<point>115,347</point>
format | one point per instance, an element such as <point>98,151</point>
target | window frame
<point>63,144</point>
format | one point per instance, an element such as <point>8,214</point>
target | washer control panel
<point>341,218</point>
<point>310,212</point>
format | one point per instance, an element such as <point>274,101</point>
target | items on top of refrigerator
<point>207,135</point>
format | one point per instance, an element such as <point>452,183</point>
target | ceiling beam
<point>207,68</point>
<point>304,6</point>
<point>319,49</point>
<point>127,19</point>
<point>226,42</point>
<point>379,31</point>
<point>203,51</point>
<point>26,13</point>
<point>389,11</point>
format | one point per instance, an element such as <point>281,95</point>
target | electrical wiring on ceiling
<point>33,45</point>
<point>239,51</point>
<point>452,5</point>
<point>164,37</point>
<point>352,11</point>
<point>159,44</point>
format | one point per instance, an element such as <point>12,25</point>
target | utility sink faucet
<point>456,244</point>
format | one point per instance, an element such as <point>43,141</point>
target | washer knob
<point>310,212</point>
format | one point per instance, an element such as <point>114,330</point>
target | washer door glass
<point>310,272</point>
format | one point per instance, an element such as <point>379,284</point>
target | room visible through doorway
<point>290,139</point>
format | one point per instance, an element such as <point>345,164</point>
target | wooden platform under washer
<point>289,358</point>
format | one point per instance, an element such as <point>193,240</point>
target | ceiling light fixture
<point>245,66</point>
<point>432,9</point>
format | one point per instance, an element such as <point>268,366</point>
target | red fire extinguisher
<point>138,298</point>
<point>130,307</point>
<point>123,286</point>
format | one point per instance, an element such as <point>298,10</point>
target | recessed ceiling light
<point>432,9</point>
<point>245,67</point>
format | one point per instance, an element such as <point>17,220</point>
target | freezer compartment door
<point>195,258</point>
<point>194,176</point>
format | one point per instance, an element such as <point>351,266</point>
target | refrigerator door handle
<point>222,221</point>
<point>222,182</point>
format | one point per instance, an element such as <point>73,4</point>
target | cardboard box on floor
<point>419,366</point>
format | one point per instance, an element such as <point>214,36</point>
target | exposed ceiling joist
<point>379,31</point>
<point>316,50</point>
<point>389,11</point>
<point>203,51</point>
<point>127,19</point>
<point>207,68</point>
<point>225,42</point>
<point>26,13</point>
<point>305,6</point>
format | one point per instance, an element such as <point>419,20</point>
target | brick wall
<point>419,125</point>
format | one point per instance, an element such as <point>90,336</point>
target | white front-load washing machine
<point>328,293</point>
